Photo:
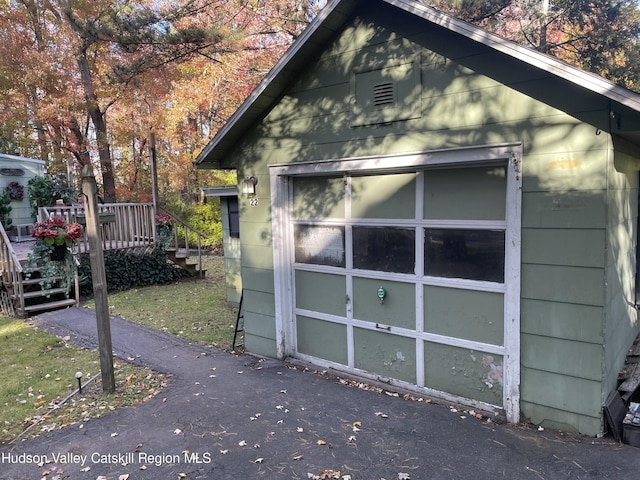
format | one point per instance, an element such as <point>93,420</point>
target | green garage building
<point>427,204</point>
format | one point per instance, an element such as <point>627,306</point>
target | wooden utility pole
<point>96,258</point>
<point>154,171</point>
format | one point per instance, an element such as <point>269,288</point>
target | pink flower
<point>55,231</point>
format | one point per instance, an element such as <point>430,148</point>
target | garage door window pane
<point>470,254</point>
<point>319,245</point>
<point>384,249</point>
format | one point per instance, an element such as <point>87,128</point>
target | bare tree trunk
<point>100,124</point>
<point>544,10</point>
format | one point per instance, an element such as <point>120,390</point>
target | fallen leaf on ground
<point>258,460</point>
<point>328,474</point>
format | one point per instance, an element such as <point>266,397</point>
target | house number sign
<point>253,202</point>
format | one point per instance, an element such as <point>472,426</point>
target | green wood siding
<point>257,274</point>
<point>468,98</point>
<point>232,258</point>
<point>560,401</point>
<point>621,316</point>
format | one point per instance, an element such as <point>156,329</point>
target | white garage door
<point>405,269</point>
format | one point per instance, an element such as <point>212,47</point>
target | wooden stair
<point>36,297</point>
<point>180,258</point>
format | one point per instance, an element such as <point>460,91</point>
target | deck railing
<point>181,242</point>
<point>11,272</point>
<point>130,225</point>
<point>124,225</point>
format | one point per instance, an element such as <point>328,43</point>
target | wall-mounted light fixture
<point>249,186</point>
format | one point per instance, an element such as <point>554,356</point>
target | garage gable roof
<point>330,21</point>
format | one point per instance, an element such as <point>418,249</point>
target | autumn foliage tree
<point>205,94</point>
<point>91,78</point>
<point>600,36</point>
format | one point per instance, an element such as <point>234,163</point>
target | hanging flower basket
<point>15,191</point>
<point>58,252</point>
<point>57,235</point>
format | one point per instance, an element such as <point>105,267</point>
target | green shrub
<point>5,210</point>
<point>45,190</point>
<point>204,218</point>
<point>125,269</point>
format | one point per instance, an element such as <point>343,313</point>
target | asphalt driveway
<point>240,417</point>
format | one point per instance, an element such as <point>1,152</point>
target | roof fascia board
<point>220,191</point>
<point>17,158</point>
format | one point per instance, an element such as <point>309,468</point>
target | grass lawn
<point>37,370</point>
<point>195,309</point>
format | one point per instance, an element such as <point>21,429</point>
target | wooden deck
<point>22,249</point>
<point>124,226</point>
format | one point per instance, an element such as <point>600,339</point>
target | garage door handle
<point>383,327</point>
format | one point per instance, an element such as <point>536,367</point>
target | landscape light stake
<point>79,377</point>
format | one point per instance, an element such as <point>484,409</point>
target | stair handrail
<point>11,266</point>
<point>186,228</point>
<point>10,249</point>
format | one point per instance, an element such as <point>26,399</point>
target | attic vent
<point>383,94</point>
<point>386,94</point>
